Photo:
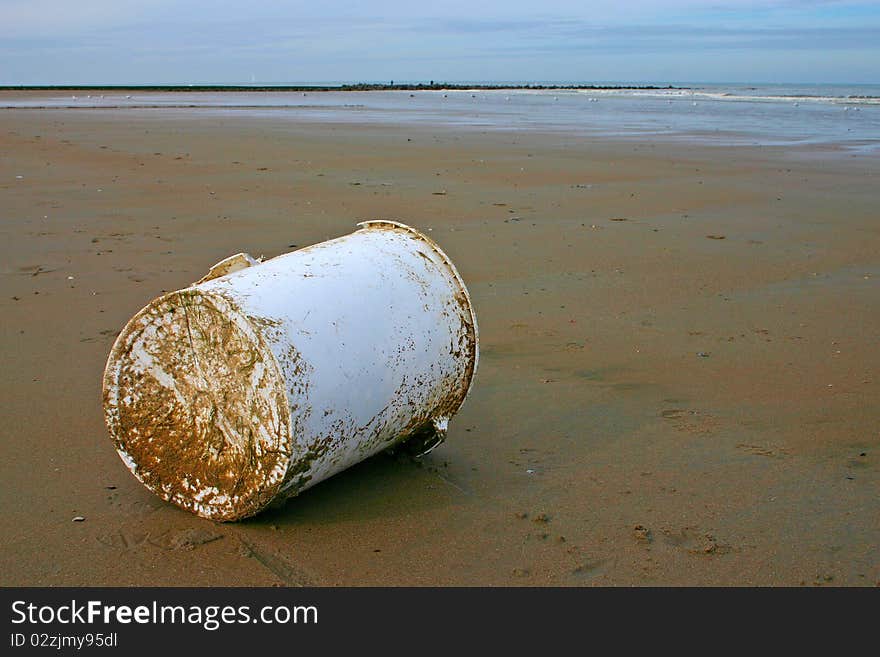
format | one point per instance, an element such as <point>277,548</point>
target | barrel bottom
<point>197,408</point>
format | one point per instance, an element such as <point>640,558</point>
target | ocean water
<point>843,116</point>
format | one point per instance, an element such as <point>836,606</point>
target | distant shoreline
<point>341,87</point>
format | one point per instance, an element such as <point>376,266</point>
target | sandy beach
<point>678,377</point>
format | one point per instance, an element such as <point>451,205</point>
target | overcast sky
<point>225,41</point>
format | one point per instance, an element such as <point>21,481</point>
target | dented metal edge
<point>229,265</point>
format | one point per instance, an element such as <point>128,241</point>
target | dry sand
<point>655,405</point>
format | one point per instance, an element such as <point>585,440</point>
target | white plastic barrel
<point>264,378</point>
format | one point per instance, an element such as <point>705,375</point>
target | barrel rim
<point>377,224</point>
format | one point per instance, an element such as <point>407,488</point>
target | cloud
<point>160,40</point>
<point>42,18</point>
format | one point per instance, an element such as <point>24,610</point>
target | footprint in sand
<point>277,564</point>
<point>187,539</point>
<point>35,270</point>
<point>694,541</point>
<point>588,569</point>
<point>690,421</point>
<point>764,450</point>
<point>124,540</point>
<point>184,539</point>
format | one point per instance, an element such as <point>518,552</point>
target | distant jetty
<point>362,86</point>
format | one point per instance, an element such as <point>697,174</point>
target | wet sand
<point>678,381</point>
